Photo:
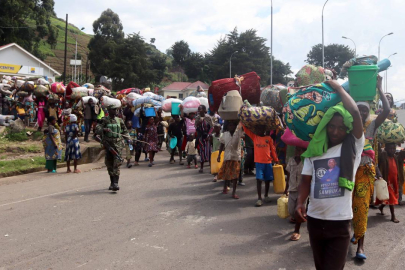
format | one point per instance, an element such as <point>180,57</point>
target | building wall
<point>15,56</point>
<point>171,93</point>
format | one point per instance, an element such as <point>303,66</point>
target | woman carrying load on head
<point>365,176</point>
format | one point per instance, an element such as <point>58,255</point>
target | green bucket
<point>363,82</point>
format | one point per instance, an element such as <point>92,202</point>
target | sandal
<point>235,197</point>
<point>77,171</point>
<point>224,191</point>
<point>295,237</point>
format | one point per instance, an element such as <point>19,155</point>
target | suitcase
<point>250,89</point>
<point>279,179</point>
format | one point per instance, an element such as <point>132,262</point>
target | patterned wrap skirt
<point>362,193</point>
<point>230,170</point>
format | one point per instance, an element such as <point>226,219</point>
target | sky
<point>297,25</point>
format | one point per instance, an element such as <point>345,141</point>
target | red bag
<point>69,88</point>
<point>250,89</point>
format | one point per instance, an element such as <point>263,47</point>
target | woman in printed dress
<point>52,145</point>
<point>151,138</point>
<point>72,144</point>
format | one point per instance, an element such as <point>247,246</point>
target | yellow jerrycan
<point>279,179</point>
<point>282,207</point>
<point>215,166</point>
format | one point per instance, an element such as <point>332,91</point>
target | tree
<point>335,56</point>
<point>253,55</point>
<point>193,65</point>
<point>180,52</point>
<point>103,46</point>
<point>27,23</point>
<point>152,40</point>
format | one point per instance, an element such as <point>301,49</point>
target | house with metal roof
<point>16,61</point>
<point>182,90</point>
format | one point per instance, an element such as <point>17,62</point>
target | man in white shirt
<point>330,209</point>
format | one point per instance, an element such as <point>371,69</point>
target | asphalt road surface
<point>165,217</point>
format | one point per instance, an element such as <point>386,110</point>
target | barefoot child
<point>293,170</point>
<point>265,155</point>
<point>191,151</point>
<point>391,170</point>
<point>231,143</point>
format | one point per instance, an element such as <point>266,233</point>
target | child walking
<point>293,171</point>
<point>391,169</point>
<point>216,143</point>
<point>191,151</point>
<point>128,150</point>
<point>265,155</point>
<point>231,143</point>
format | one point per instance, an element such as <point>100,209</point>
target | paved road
<point>165,217</point>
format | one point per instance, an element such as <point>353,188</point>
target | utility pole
<point>64,66</point>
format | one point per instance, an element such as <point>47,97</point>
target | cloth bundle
<point>167,104</point>
<point>255,118</point>
<point>153,96</point>
<point>41,91</point>
<point>88,85</point>
<point>58,88</point>
<point>363,61</point>
<point>204,101</point>
<point>390,132</point>
<point>305,109</point>
<point>42,81</point>
<point>309,75</point>
<point>79,92</point>
<point>191,104</point>
<point>148,100</point>
<point>110,102</point>
<point>27,87</point>
<point>271,97</point>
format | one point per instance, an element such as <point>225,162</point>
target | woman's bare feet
<point>77,171</point>
<point>381,208</point>
<point>393,219</point>
<point>68,171</point>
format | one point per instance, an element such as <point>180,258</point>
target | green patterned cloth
<point>306,108</point>
<point>390,132</point>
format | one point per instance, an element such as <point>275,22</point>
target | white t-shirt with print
<point>328,201</point>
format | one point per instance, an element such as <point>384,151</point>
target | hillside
<point>55,57</point>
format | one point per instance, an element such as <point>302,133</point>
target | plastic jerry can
<point>279,179</point>
<point>282,207</point>
<point>381,189</point>
<point>215,165</point>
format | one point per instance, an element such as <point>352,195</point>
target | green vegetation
<point>20,165</point>
<point>16,137</point>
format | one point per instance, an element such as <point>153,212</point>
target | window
<point>180,95</point>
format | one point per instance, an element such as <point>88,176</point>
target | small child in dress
<point>293,171</point>
<point>231,143</point>
<point>191,151</point>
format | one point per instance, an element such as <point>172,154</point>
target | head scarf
<point>363,103</point>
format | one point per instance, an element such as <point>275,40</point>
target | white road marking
<point>48,195</point>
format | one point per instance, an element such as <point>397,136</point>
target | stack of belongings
<point>167,106</point>
<point>148,99</point>
<point>100,91</point>
<point>198,93</point>
<point>256,118</point>
<point>274,96</point>
<point>230,105</point>
<point>247,84</point>
<point>191,104</point>
<point>391,132</point>
<point>307,104</point>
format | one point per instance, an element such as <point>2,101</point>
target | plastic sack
<point>167,104</point>
<point>290,139</point>
<point>42,81</point>
<point>41,91</point>
<point>86,100</point>
<point>88,85</point>
<point>190,104</point>
<point>390,132</point>
<point>113,102</point>
<point>204,101</point>
<point>58,88</point>
<point>305,109</point>
<point>153,96</point>
<point>255,118</point>
<point>133,96</point>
